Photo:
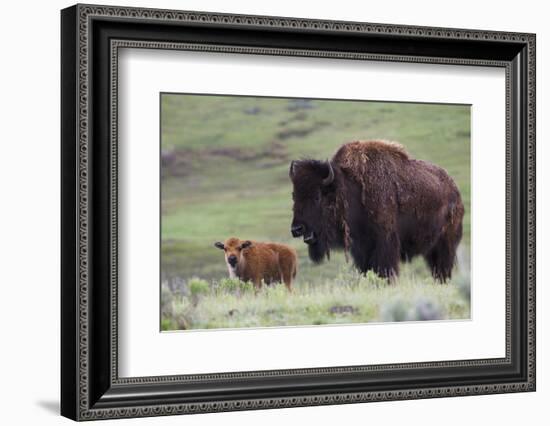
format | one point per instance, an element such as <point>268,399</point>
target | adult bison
<point>375,201</point>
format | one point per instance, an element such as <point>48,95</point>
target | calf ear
<point>246,244</point>
<point>219,245</point>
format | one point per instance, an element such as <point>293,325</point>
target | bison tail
<point>442,257</point>
<point>456,211</point>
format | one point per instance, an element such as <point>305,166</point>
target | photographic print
<point>348,206</point>
<point>303,212</point>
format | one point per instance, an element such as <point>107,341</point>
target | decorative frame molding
<point>91,388</point>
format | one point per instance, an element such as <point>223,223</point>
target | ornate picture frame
<point>91,37</point>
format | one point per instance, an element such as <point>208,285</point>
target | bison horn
<point>330,178</point>
<point>291,170</point>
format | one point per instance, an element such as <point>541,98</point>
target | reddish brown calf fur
<point>256,261</point>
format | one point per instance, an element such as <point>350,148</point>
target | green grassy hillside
<point>225,173</point>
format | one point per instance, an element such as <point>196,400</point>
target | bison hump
<point>359,153</point>
<point>375,160</point>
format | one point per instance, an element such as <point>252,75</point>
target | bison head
<point>233,248</point>
<point>313,191</point>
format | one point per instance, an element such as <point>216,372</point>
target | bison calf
<point>255,261</point>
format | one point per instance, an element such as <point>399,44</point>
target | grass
<point>346,298</point>
<point>228,176</point>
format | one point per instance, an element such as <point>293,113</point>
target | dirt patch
<point>274,150</point>
<point>300,132</point>
<point>298,104</point>
<point>294,133</point>
<point>301,116</point>
<point>181,162</point>
<point>342,309</point>
<point>233,153</point>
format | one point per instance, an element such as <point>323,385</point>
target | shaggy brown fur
<point>379,204</point>
<point>255,261</point>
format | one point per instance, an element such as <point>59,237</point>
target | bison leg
<point>257,281</point>
<point>381,257</point>
<point>441,261</point>
<point>387,255</point>
<point>441,257</point>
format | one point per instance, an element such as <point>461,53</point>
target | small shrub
<point>198,287</point>
<point>394,310</point>
<point>246,287</point>
<point>276,290</point>
<point>228,285</point>
<point>374,279</point>
<point>167,324</point>
<point>234,286</point>
<point>425,310</point>
<point>166,300</point>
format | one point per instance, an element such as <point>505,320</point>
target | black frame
<point>90,38</point>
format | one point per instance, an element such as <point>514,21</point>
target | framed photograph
<point>263,212</point>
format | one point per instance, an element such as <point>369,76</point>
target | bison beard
<point>318,251</point>
<point>380,205</point>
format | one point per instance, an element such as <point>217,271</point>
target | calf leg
<point>257,281</point>
<point>286,275</point>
